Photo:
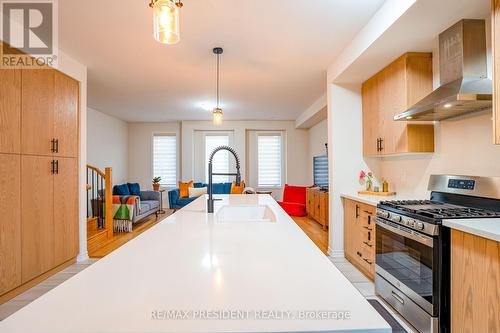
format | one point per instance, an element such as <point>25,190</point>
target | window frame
<point>177,161</point>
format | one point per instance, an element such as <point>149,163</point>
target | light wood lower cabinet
<point>359,236</point>
<point>37,203</point>
<point>49,213</point>
<point>475,284</point>
<point>66,210</point>
<point>10,222</point>
<point>317,206</point>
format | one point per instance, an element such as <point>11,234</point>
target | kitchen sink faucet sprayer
<point>210,201</point>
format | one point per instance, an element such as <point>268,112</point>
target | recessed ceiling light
<point>448,105</point>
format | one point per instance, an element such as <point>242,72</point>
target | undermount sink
<point>245,213</point>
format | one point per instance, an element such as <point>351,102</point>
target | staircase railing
<point>100,198</point>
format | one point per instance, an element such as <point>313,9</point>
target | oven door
<point>405,258</point>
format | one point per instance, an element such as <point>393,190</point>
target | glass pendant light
<point>217,112</point>
<point>166,21</point>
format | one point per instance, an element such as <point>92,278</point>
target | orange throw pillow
<point>237,189</point>
<point>183,189</point>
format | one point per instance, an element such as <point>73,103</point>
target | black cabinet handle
<point>368,244</point>
<point>53,145</point>
<point>357,211</point>
<point>381,144</point>
<point>57,145</point>
<point>369,236</point>
<point>57,167</point>
<point>378,144</point>
<point>367,228</point>
<point>52,167</point>
<point>368,261</point>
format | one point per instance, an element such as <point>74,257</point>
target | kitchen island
<point>199,272</point>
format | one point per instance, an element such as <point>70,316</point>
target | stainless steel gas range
<point>413,249</point>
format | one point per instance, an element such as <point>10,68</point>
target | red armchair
<point>294,200</point>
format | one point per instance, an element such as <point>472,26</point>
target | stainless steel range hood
<point>464,86</point>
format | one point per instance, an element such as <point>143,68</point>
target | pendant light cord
<point>218,77</point>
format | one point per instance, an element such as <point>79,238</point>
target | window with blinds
<point>220,163</point>
<point>269,155</point>
<point>165,159</point>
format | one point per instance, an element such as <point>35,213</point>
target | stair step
<point>91,224</point>
<point>96,239</point>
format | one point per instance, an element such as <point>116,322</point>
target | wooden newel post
<point>108,197</point>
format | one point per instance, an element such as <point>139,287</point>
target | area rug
<point>396,327</point>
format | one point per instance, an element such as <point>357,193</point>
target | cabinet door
<point>316,205</point>
<point>66,210</point>
<point>495,22</point>
<point>322,209</point>
<point>392,92</point>
<point>66,115</point>
<point>10,111</point>
<point>36,216</point>
<point>309,202</point>
<point>349,227</point>
<point>10,222</point>
<point>371,122</point>
<point>37,128</point>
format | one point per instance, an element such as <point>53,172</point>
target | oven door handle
<point>422,239</point>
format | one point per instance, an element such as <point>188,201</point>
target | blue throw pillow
<point>199,185</point>
<point>134,189</point>
<point>121,190</point>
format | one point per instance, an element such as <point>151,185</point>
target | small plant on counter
<point>366,178</point>
<point>156,183</point>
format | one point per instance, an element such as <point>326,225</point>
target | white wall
<point>107,144</point>
<point>318,136</point>
<point>296,152</point>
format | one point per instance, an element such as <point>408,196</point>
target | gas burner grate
<point>458,213</point>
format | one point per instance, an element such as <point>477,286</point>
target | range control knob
<point>396,218</point>
<point>383,214</point>
<point>420,226</point>
<point>412,223</point>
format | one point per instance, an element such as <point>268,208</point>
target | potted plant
<point>156,183</point>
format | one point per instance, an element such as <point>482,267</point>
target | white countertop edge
<point>486,228</point>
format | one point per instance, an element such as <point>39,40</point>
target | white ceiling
<point>274,64</point>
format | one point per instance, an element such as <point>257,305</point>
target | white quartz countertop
<point>259,276</point>
<point>486,228</point>
<point>375,199</point>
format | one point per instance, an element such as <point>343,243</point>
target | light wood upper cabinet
<point>390,92</point>
<point>10,111</point>
<point>66,115</point>
<point>66,210</point>
<point>37,130</point>
<point>495,24</point>
<point>10,222</point>
<point>37,214</point>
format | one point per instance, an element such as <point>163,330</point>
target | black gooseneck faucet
<point>210,201</point>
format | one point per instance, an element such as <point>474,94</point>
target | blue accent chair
<point>175,202</point>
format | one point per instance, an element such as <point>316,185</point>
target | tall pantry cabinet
<point>38,173</point>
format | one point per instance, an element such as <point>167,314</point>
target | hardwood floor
<point>314,231</point>
<point>119,239</point>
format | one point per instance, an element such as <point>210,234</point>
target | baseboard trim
<point>31,283</point>
<point>336,253</point>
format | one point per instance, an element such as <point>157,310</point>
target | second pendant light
<point>217,113</point>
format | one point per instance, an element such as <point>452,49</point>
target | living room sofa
<point>149,203</point>
<point>175,202</point>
